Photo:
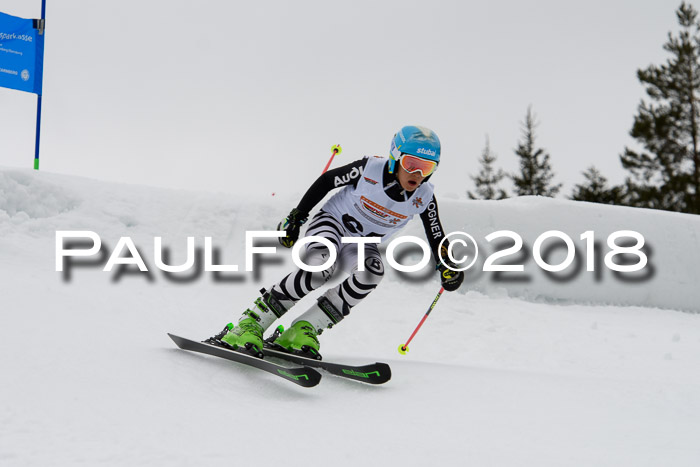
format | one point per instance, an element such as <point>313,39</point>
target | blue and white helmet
<point>415,140</point>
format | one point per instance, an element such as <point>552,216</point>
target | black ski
<point>373,373</point>
<point>303,376</point>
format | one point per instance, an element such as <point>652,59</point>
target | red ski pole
<point>403,348</point>
<point>336,150</point>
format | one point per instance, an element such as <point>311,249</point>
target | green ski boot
<point>302,339</point>
<point>246,335</point>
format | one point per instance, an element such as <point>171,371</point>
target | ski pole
<point>336,150</point>
<point>403,348</point>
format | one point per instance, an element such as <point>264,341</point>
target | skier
<point>379,196</point>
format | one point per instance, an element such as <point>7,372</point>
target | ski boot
<point>246,336</point>
<point>301,339</point>
<point>247,343</point>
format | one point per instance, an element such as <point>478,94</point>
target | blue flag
<point>21,54</point>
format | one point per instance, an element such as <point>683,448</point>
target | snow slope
<point>589,370</point>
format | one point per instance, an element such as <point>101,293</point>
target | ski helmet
<point>417,141</point>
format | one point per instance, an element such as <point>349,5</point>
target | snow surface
<point>584,371</point>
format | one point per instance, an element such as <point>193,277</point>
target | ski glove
<point>450,278</point>
<point>292,225</point>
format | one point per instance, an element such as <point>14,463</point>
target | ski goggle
<point>413,164</point>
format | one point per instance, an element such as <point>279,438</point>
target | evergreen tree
<point>666,175</point>
<point>488,179</point>
<point>536,174</point>
<point>595,189</point>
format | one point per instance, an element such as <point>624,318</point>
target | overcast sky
<point>226,95</point>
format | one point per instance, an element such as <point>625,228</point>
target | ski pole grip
<point>336,150</point>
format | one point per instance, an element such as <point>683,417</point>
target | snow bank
<point>669,280</point>
<point>39,204</point>
<point>89,376</point>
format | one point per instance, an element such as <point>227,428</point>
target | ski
<point>373,373</point>
<point>303,376</point>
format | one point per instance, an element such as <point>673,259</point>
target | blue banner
<point>21,54</point>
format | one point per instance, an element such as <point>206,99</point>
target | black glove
<point>292,225</point>
<point>450,278</point>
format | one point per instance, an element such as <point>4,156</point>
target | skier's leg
<point>275,302</point>
<point>335,304</point>
<point>299,283</point>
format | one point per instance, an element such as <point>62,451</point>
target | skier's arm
<point>346,175</point>
<point>450,278</point>
<point>433,228</point>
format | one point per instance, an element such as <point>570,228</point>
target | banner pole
<point>38,132</point>
<point>38,106</point>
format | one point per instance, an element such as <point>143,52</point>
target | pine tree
<point>666,175</point>
<point>596,190</point>
<point>488,179</point>
<point>536,174</point>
